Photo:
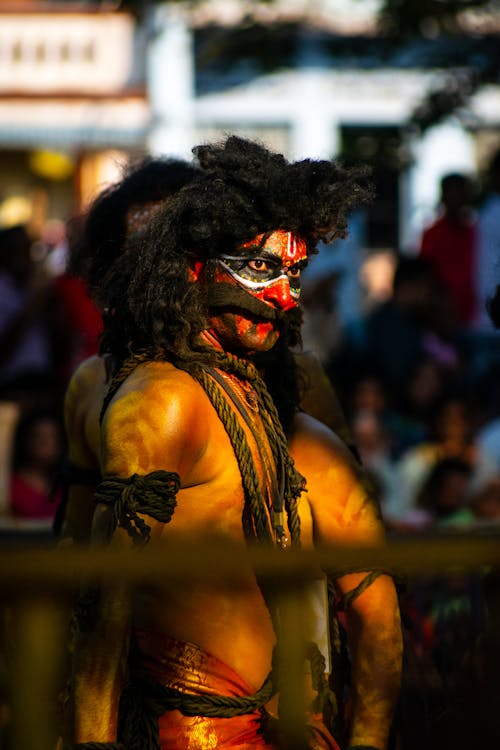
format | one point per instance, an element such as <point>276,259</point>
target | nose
<point>278,294</point>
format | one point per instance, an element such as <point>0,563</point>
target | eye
<point>294,271</point>
<point>259,264</point>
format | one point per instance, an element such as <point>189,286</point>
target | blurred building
<point>83,87</point>
<point>73,105</point>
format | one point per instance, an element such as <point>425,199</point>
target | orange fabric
<point>186,667</point>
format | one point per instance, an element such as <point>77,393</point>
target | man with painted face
<point>194,431</point>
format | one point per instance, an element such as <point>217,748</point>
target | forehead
<point>285,245</point>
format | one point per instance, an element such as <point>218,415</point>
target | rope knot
<point>151,494</point>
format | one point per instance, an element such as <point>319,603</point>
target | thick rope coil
<point>294,483</point>
<point>250,479</point>
<point>325,699</point>
<point>144,701</point>
<point>153,494</point>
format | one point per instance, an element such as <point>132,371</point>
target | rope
<point>293,482</point>
<point>246,464</point>
<point>141,708</point>
<point>367,581</point>
<point>153,494</point>
<point>144,701</point>
<point>325,699</point>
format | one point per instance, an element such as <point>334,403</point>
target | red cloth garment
<point>451,247</point>
<point>27,502</point>
<point>186,667</point>
<point>83,317</point>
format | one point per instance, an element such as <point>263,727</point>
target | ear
<point>196,268</point>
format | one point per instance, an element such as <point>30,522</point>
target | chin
<point>241,335</point>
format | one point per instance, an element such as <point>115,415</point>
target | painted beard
<point>243,323</point>
<point>228,295</point>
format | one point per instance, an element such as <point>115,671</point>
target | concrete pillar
<point>315,130</point>
<point>170,80</point>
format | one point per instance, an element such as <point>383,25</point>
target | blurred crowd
<point>418,375</point>
<point>418,372</point>
<point>48,325</point>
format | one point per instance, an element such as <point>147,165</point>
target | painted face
<point>255,286</point>
<point>268,268</point>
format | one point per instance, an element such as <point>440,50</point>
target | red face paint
<point>268,269</point>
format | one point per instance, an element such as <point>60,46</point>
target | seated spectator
<point>410,419</point>
<point>485,503</point>
<point>444,495</point>
<point>37,453</point>
<point>452,436</point>
<point>373,443</point>
<point>399,332</point>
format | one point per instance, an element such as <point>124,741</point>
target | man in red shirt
<point>450,244</point>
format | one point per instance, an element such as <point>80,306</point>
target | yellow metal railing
<point>36,584</point>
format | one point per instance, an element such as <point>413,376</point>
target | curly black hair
<point>243,190</point>
<point>100,234</point>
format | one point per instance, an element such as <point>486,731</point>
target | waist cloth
<point>189,669</point>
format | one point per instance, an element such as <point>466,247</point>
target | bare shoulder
<point>313,441</point>
<point>157,419</point>
<point>338,493</point>
<point>89,375</point>
<point>155,391</point>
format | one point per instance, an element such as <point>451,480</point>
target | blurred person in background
<point>83,318</point>
<point>445,493</point>
<point>410,419</point>
<point>399,332</point>
<point>451,436</point>
<point>450,244</point>
<point>485,503</point>
<point>34,333</point>
<point>37,455</point>
<point>373,442</point>
<point>488,254</point>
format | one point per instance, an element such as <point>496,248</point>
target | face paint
<point>268,267</point>
<point>250,292</point>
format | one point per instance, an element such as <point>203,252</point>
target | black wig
<point>100,235</point>
<point>242,190</point>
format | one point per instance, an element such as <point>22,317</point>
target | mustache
<point>224,294</point>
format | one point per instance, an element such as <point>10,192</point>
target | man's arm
<point>374,635</point>
<point>343,513</point>
<point>82,401</point>
<point>148,427</point>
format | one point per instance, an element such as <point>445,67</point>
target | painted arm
<point>374,635</point>
<point>145,430</point>
<point>343,513</point>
